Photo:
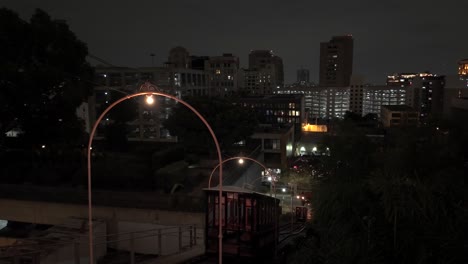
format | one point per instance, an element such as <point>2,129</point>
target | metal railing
<point>150,243</point>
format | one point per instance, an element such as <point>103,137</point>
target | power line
<point>100,60</point>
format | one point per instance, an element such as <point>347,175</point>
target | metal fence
<point>126,247</point>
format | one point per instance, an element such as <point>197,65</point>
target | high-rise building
<point>256,81</point>
<point>336,61</point>
<point>428,95</point>
<point>423,91</point>
<point>321,102</point>
<point>223,73</point>
<point>356,94</point>
<point>203,75</point>
<point>114,82</point>
<point>277,109</point>
<point>266,59</point>
<point>456,87</point>
<point>463,67</point>
<point>404,81</point>
<point>179,57</point>
<point>374,97</point>
<point>302,76</point>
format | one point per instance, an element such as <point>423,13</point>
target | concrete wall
<point>117,221</point>
<point>58,213</point>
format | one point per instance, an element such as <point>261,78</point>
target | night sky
<point>389,36</point>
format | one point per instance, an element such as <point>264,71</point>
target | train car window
<point>216,208</point>
<point>210,211</point>
<point>242,212</point>
<point>248,216</point>
<point>254,215</point>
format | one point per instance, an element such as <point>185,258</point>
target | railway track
<point>287,231</point>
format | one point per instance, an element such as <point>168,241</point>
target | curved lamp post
<point>241,161</point>
<point>150,100</point>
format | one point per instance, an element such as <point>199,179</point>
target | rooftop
<point>399,108</point>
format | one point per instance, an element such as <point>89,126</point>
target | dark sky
<point>389,36</point>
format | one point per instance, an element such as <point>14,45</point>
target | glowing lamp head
<point>269,178</point>
<point>284,189</point>
<point>149,99</point>
<point>241,161</point>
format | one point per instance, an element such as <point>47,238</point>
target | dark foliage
<point>231,124</point>
<point>43,78</point>
<point>402,200</point>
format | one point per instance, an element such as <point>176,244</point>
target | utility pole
<point>152,59</point>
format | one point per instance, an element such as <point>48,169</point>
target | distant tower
<point>336,61</point>
<point>302,76</point>
<point>463,67</point>
<point>265,59</point>
<point>179,57</point>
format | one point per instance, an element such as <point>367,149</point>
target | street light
<point>150,94</point>
<point>149,99</point>
<point>240,160</point>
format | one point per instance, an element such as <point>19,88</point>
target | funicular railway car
<point>249,223</point>
<point>301,213</point>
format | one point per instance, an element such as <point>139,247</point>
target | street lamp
<point>150,94</point>
<point>149,99</point>
<point>240,160</point>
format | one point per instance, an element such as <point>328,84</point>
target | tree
<point>116,130</point>
<point>231,123</point>
<point>404,202</point>
<point>44,77</point>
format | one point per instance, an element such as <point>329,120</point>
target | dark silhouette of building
<point>278,109</point>
<point>179,57</point>
<point>223,73</point>
<point>265,59</point>
<point>399,115</point>
<point>302,76</point>
<point>198,62</point>
<point>428,96</point>
<point>336,61</point>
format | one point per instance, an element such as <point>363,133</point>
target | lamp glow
<point>241,161</point>
<point>149,99</point>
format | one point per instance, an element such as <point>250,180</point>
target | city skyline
<point>401,37</point>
